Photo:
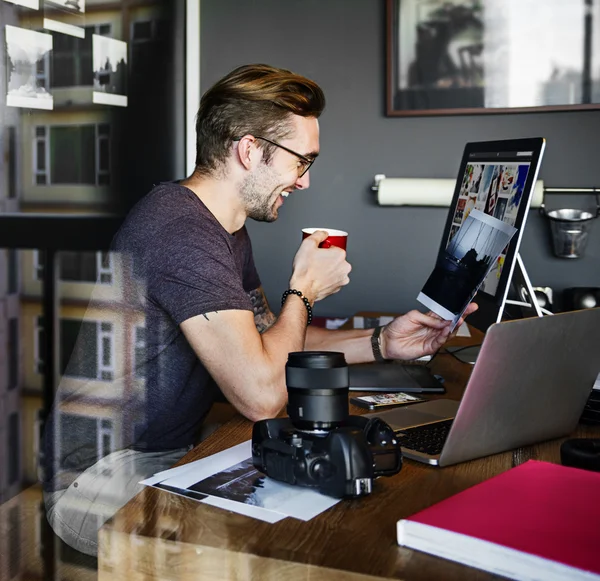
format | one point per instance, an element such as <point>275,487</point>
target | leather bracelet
<point>293,291</point>
<point>581,453</point>
<point>376,345</point>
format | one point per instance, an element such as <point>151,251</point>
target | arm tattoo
<point>263,317</point>
<point>206,316</point>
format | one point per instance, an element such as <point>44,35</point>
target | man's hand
<point>416,334</point>
<point>319,272</point>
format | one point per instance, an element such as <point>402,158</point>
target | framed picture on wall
<point>448,57</point>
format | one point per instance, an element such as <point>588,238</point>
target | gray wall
<point>341,45</point>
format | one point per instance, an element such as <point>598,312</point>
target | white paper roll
<point>415,192</point>
<point>429,192</point>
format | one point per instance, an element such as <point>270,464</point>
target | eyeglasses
<point>304,163</point>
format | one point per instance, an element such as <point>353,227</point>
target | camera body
<point>320,445</point>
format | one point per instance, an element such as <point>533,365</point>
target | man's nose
<point>304,182</point>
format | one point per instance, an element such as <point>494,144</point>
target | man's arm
<point>263,317</point>
<point>248,366</point>
<point>407,337</point>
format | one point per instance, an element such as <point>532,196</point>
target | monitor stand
<point>525,300</point>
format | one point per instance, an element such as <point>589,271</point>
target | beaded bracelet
<point>293,291</point>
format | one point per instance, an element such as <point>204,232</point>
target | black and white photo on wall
<point>65,16</point>
<point>27,65</point>
<point>110,71</point>
<point>449,57</point>
<point>33,4</point>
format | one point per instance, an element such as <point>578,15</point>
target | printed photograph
<point>33,4</point>
<point>462,268</point>
<point>72,6</point>
<point>516,193</point>
<point>460,210</point>
<point>110,71</point>
<point>438,56</point>
<point>65,16</point>
<point>500,208</point>
<point>27,54</point>
<point>450,57</point>
<point>478,170</point>
<point>489,174</point>
<point>244,483</point>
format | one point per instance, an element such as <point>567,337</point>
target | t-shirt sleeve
<point>194,271</point>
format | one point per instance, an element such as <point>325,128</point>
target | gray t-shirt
<point>182,263</point>
<point>191,265</point>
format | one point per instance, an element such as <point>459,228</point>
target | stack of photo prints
<point>482,226</point>
<point>30,54</point>
<point>229,480</point>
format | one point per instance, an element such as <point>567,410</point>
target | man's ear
<point>248,152</point>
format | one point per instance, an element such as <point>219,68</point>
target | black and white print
<point>110,71</point>
<point>65,16</point>
<point>33,4</point>
<point>472,254</point>
<point>28,53</point>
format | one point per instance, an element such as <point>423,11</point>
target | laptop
<point>530,383</point>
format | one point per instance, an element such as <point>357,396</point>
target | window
<point>87,349</point>
<point>13,353</point>
<point>139,352</point>
<point>72,58</point>
<point>145,35</point>
<point>14,448</point>
<point>39,344</point>
<point>13,271</point>
<point>72,154</point>
<point>41,71</point>
<point>92,433</point>
<point>14,541</point>
<point>37,439</point>
<point>79,266</point>
<point>40,156</point>
<point>12,162</point>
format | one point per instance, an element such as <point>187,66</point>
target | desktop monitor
<point>497,178</point>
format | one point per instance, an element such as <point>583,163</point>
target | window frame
<point>46,139</point>
<point>138,343</point>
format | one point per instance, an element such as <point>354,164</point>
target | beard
<point>260,206</point>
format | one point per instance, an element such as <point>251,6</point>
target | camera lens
<point>317,384</point>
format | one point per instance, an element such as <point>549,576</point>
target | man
<point>209,328</point>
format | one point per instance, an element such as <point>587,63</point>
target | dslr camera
<point>320,445</point>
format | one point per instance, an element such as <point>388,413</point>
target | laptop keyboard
<point>428,439</point>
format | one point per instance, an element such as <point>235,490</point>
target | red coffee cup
<point>337,238</point>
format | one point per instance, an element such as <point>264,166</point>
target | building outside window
<point>79,266</point>
<point>12,162</point>
<point>39,344</point>
<point>14,448</point>
<point>95,434</point>
<point>139,350</point>
<point>72,58</point>
<point>13,353</point>
<point>87,349</point>
<point>14,542</point>
<point>13,271</point>
<point>72,154</point>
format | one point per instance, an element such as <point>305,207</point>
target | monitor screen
<point>496,178</point>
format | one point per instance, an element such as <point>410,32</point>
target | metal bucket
<point>570,229</point>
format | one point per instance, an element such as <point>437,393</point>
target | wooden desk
<point>159,535</point>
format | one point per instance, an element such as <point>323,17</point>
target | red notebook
<point>535,521</point>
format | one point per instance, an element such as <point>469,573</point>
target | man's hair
<point>252,99</point>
